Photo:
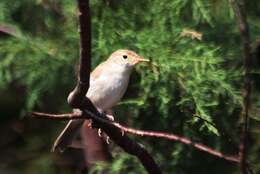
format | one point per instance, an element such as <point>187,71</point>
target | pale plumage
<point>108,83</point>
<point>105,96</point>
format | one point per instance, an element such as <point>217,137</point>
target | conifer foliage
<point>194,91</point>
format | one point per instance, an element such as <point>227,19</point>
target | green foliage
<point>24,55</point>
<point>195,91</point>
<point>122,164</point>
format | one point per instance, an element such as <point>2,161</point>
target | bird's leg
<point>99,129</point>
<point>107,139</point>
<point>122,132</point>
<point>109,114</point>
<point>99,132</point>
<point>90,124</point>
<point>110,117</point>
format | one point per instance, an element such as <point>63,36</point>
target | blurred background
<point>195,93</point>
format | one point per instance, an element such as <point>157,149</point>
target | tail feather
<point>67,135</point>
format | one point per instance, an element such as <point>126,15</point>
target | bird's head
<point>126,58</point>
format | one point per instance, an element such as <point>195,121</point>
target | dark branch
<point>85,41</point>
<point>173,137</point>
<point>111,130</point>
<point>115,134</point>
<point>239,10</point>
<point>76,96</point>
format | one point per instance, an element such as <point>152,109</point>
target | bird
<point>107,85</point>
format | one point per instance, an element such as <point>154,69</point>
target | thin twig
<point>67,116</point>
<point>239,10</point>
<point>206,121</point>
<point>164,135</point>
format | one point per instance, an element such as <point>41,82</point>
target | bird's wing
<point>97,71</point>
<point>70,131</point>
<point>96,87</point>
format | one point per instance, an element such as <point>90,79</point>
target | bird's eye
<point>125,56</point>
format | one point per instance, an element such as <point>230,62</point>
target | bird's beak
<point>141,59</point>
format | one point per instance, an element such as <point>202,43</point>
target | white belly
<point>107,90</point>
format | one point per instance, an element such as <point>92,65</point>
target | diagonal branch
<point>115,134</point>
<point>77,98</point>
<point>239,10</point>
<point>101,119</point>
<point>7,30</point>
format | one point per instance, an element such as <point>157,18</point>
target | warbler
<point>108,83</point>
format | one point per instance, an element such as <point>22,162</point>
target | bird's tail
<point>67,135</point>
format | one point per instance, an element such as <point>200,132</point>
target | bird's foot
<point>107,139</point>
<point>122,132</point>
<point>110,117</point>
<point>100,135</point>
<point>99,132</point>
<point>90,124</point>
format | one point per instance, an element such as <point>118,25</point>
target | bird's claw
<point>99,132</point>
<point>122,132</point>
<point>107,140</point>
<point>90,124</point>
<point>110,117</point>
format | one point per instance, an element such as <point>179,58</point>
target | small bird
<point>108,83</point>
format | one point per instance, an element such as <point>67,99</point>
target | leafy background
<point>197,80</point>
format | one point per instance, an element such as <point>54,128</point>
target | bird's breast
<point>107,90</point>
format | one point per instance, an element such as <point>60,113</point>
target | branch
<point>7,30</point>
<point>76,96</point>
<point>99,121</point>
<point>239,10</point>
<point>67,116</point>
<point>173,137</point>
